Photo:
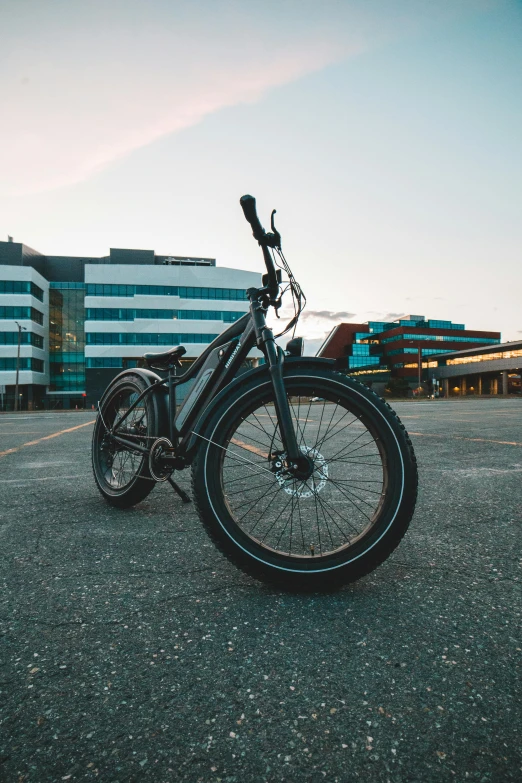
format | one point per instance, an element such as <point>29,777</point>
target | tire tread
<point>332,579</point>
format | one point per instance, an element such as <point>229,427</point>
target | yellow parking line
<point>47,437</point>
<point>461,437</point>
<point>248,447</point>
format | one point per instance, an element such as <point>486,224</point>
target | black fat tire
<point>272,568</point>
<point>143,483</point>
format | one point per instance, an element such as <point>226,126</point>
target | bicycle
<point>302,476</point>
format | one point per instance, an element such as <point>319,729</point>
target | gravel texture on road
<point>131,650</point>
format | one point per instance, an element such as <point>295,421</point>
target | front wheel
<point>331,528</point>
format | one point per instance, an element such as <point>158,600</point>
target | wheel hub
<point>305,480</point>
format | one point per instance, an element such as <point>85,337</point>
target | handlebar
<point>271,283</point>
<point>248,204</point>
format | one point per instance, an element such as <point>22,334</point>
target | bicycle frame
<point>212,371</point>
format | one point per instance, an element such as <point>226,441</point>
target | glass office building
<point>83,319</point>
<point>66,344</point>
<point>379,352</point>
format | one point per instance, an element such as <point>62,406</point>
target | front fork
<point>275,358</point>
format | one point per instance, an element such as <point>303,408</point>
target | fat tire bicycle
<point>302,476</point>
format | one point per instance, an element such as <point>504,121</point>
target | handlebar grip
<point>248,204</point>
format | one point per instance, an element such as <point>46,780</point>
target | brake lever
<point>275,232</point>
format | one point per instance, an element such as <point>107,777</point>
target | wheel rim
<point>335,507</point>
<point>118,466</point>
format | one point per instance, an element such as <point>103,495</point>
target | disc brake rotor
<point>314,484</point>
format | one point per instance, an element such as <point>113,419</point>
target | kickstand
<point>181,492</point>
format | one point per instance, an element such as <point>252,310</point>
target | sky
<point>388,136</point>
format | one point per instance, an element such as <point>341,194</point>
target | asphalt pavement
<point>131,650</point>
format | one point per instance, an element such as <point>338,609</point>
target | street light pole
<point>18,363</point>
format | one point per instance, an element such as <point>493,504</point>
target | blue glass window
<point>364,361</point>
<point>447,338</point>
<point>98,362</point>
<point>379,326</point>
<point>130,314</point>
<point>21,287</point>
<point>26,363</point>
<point>361,350</point>
<point>26,338</point>
<point>115,338</point>
<point>185,292</point>
<point>28,313</point>
<point>66,285</point>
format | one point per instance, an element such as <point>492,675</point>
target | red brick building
<point>380,351</point>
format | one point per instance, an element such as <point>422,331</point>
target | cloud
<point>100,89</point>
<point>86,84</point>
<point>423,298</point>
<point>328,315</point>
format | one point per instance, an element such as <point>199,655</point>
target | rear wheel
<point>327,528</point>
<point>121,473</point>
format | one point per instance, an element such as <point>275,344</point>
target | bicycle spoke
<point>325,439</point>
<point>304,518</point>
<point>349,481</point>
<point>274,496</point>
<point>324,504</point>
<point>242,491</point>
<point>351,444</point>
<point>324,517</point>
<point>306,420</point>
<point>318,443</point>
<point>270,437</point>
<point>350,492</point>
<point>277,519</point>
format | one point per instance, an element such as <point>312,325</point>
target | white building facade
<point>87,319</point>
<point>159,307</point>
<point>24,302</point>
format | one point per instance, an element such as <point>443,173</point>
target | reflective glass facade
<point>483,357</point>
<point>67,338</point>
<point>23,313</point>
<point>133,338</point>
<point>142,291</point>
<point>448,338</point>
<point>97,363</point>
<point>185,292</point>
<point>424,351</point>
<point>129,314</point>
<point>26,363</point>
<point>21,287</point>
<point>26,338</point>
<point>364,361</point>
<point>395,348</point>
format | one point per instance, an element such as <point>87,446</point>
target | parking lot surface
<point>131,650</point>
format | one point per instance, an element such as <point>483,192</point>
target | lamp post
<point>20,329</point>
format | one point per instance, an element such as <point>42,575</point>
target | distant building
<point>496,369</point>
<point>85,319</point>
<point>379,352</point>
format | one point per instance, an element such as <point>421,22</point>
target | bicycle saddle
<point>166,359</point>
